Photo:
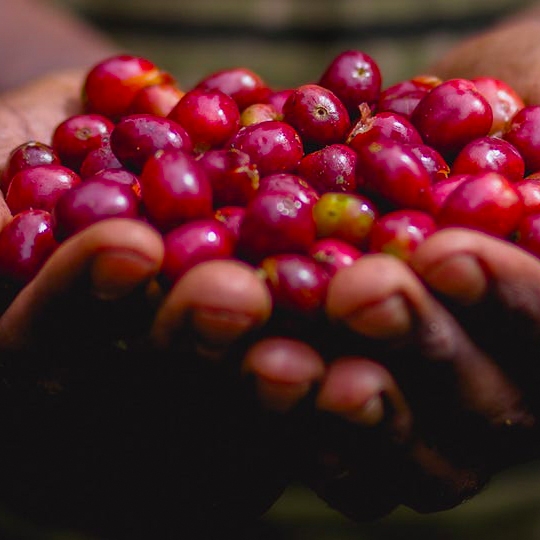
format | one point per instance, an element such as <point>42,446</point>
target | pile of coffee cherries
<point>297,182</point>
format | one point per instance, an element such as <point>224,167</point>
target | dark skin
<point>418,405</point>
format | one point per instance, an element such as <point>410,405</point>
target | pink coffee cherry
<point>273,146</point>
<point>112,84</point>
<point>529,190</point>
<point>490,154</point>
<point>26,242</point>
<point>28,154</point>
<point>332,168</point>
<point>137,137</point>
<point>399,233</point>
<point>175,189</point>
<point>157,99</point>
<point>297,283</point>
<point>296,185</point>
<point>193,243</point>
<point>452,114</point>
<point>355,78</point>
<point>98,159</point>
<point>527,234</point>
<point>91,201</point>
<point>210,117</point>
<point>442,188</point>
<point>259,112</point>
<point>392,170</point>
<point>487,202</point>
<point>39,187</point>
<point>523,133</point>
<point>333,254</point>
<point>231,217</point>
<point>232,174</point>
<point>317,114</point>
<point>120,176</point>
<point>76,136</point>
<point>275,222</point>
<point>242,84</point>
<point>436,166</point>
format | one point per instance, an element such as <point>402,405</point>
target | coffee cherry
<point>273,146</point>
<point>317,114</point>
<point>210,117</point>
<point>91,201</point>
<point>98,159</point>
<point>231,217</point>
<point>275,222</point>
<point>355,78</point>
<point>26,242</point>
<point>243,85</point>
<point>452,114</point>
<point>400,232</point>
<point>112,84</point>
<point>28,154</point>
<point>436,166</point>
<point>193,243</point>
<point>332,168</point>
<point>136,137</point>
<point>297,283</point>
<point>289,183</point>
<point>392,171</point>
<point>529,191</point>
<point>76,136</point>
<point>487,202</point>
<point>175,189</point>
<point>333,254</point>
<point>157,99</point>
<point>527,235</point>
<point>441,189</point>
<point>523,133</point>
<point>490,154</point>
<point>345,216</point>
<point>232,174</point>
<point>259,112</point>
<point>39,187</point>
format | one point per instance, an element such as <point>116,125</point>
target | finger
<point>285,371</point>
<point>106,262</point>
<point>494,289</point>
<point>452,384</point>
<point>213,305</point>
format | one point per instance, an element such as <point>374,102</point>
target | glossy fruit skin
<point>333,254</point>
<point>259,112</point>
<point>77,135</point>
<point>490,154</point>
<point>273,146</point>
<point>452,114</point>
<point>209,116</point>
<point>232,174</point>
<point>399,233</point>
<point>441,189</point>
<point>26,155</point>
<point>524,134</point>
<point>111,85</point>
<point>487,202</point>
<point>388,125</point>
<point>403,96</point>
<point>529,190</point>
<point>293,184</point>
<point>193,243</point>
<point>91,201</point>
<point>392,171</point>
<point>297,283</point>
<point>275,222</point>
<point>231,217</point>
<point>98,159</point>
<point>354,77</point>
<point>39,187</point>
<point>120,176</point>
<point>317,115</point>
<point>332,168</point>
<point>243,85</point>
<point>436,166</point>
<point>26,242</point>
<point>157,99</point>
<point>346,216</point>
<point>175,189</point>
<point>527,235</point>
<point>137,137</point>
<point>503,99</point>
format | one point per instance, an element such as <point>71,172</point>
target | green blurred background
<point>289,42</point>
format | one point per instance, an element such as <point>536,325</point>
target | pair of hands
<point>418,388</point>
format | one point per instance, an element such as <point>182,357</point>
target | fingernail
<point>219,327</point>
<point>459,277</point>
<point>114,274</point>
<point>388,318</point>
<point>370,414</point>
